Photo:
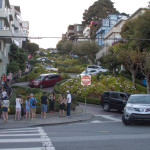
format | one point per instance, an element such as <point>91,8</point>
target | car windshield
<point>40,78</point>
<point>139,99</point>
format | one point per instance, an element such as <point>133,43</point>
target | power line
<point>76,38</point>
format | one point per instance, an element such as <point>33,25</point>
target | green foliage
<point>13,67</point>
<point>18,57</point>
<point>32,47</point>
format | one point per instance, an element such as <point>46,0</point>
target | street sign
<point>85,80</point>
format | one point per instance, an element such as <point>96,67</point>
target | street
<point>105,131</point>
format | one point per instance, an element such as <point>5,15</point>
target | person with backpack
<point>33,103</point>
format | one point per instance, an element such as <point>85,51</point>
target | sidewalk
<point>52,119</point>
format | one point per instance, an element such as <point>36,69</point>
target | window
<point>1,4</point>
<point>106,94</point>
<point>114,95</point>
<point>1,24</point>
<point>79,28</point>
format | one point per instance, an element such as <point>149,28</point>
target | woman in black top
<point>51,102</point>
<point>61,101</point>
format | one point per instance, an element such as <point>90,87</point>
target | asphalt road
<point>104,132</point>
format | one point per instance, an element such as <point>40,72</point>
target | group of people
<point>31,103</point>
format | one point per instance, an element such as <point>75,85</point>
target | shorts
<point>62,107</point>
<point>4,109</point>
<point>43,108</point>
<point>18,109</point>
<point>33,109</point>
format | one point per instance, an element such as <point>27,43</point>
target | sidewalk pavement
<point>52,119</point>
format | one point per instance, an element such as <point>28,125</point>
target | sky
<point>51,18</point>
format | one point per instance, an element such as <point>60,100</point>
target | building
<point>6,40</point>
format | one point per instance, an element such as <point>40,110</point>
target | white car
<point>50,67</point>
<point>91,72</point>
<point>97,68</point>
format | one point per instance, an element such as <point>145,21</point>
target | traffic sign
<point>85,79</point>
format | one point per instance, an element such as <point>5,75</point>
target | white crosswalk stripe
<point>35,136</point>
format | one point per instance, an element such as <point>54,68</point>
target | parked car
<point>96,67</point>
<point>91,72</point>
<point>114,100</point>
<point>50,67</point>
<point>137,109</point>
<point>45,80</point>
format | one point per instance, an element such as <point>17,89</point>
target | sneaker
<point>68,116</point>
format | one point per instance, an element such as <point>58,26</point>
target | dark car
<point>114,100</point>
<point>45,80</point>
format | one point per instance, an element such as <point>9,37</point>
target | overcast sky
<point>50,18</point>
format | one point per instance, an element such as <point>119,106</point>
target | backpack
<point>34,102</point>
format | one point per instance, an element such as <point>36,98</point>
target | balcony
<point>7,35</point>
<point>111,31</point>
<point>4,15</point>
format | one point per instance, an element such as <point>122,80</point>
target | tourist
<point>18,108</point>
<point>27,108</point>
<point>44,100</point>
<point>68,103</point>
<point>5,106</point>
<point>33,103</point>
<point>51,102</point>
<point>61,101</point>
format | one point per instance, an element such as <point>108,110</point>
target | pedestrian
<point>5,106</point>
<point>27,108</point>
<point>33,102</point>
<point>18,108</point>
<point>61,101</point>
<point>68,103</point>
<point>19,73</point>
<point>44,100</point>
<point>51,102</point>
<point>4,94</point>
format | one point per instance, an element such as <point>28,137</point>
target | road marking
<point>108,117</point>
<point>24,132</point>
<point>96,121</point>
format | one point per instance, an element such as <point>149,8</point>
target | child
<point>28,108</point>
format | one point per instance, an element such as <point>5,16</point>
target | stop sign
<point>86,80</point>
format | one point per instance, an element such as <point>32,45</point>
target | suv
<point>45,80</point>
<point>97,68</point>
<point>137,109</point>
<point>114,100</point>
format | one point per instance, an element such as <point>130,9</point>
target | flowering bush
<point>97,87</point>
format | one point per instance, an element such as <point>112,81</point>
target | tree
<point>88,48</point>
<point>32,47</point>
<point>109,60</point>
<point>67,47</point>
<point>17,56</point>
<point>60,44</point>
<point>100,9</point>
<point>137,31</point>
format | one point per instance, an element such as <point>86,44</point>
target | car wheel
<point>106,107</point>
<point>125,122</point>
<point>41,86</point>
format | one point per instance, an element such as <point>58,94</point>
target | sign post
<point>85,80</point>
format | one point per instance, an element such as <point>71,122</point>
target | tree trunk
<point>133,79</point>
<point>148,85</point>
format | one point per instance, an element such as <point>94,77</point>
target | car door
<point>105,98</point>
<point>45,82</point>
<point>114,100</point>
<point>51,80</point>
<point>123,100</point>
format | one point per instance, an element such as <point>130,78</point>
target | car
<point>96,67</point>
<point>114,100</point>
<point>45,80</point>
<point>91,72</point>
<point>39,59</point>
<point>50,67</point>
<point>137,109</point>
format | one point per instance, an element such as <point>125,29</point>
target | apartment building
<point>6,40</point>
<point>17,27</point>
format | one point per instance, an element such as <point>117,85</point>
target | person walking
<point>18,108</point>
<point>44,100</point>
<point>27,108</point>
<point>61,101</point>
<point>5,106</point>
<point>51,102</point>
<point>68,103</point>
<point>33,103</point>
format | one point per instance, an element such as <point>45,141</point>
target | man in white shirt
<point>68,103</point>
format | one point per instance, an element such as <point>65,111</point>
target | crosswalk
<point>25,139</point>
<point>97,119</point>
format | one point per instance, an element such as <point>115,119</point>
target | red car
<point>45,80</point>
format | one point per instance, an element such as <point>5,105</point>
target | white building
<point>5,34</point>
